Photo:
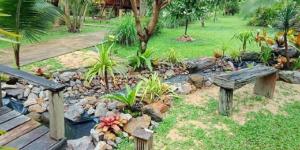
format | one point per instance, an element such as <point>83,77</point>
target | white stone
<point>101,110</point>
<point>125,116</point>
<point>27,92</point>
<point>91,111</point>
<point>31,100</point>
<point>74,112</point>
<point>36,108</point>
<point>84,143</point>
<point>3,94</point>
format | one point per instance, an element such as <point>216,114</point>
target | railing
<point>56,101</point>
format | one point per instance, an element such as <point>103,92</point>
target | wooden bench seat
<point>264,76</point>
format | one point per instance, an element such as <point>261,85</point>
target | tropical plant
<point>74,12</point>
<point>266,54</point>
<point>296,64</point>
<point>235,55</point>
<point>264,16</point>
<point>106,65</point>
<point>173,57</point>
<point>143,60</point>
<point>28,19</point>
<point>153,88</point>
<point>287,19</point>
<point>125,31</point>
<point>129,97</point>
<point>245,38</point>
<point>231,7</point>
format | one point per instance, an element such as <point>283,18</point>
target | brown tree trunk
<point>106,80</point>
<point>16,48</point>
<point>286,49</point>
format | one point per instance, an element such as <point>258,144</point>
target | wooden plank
<point>225,102</point>
<point>265,86</point>
<point>59,144</point>
<point>28,138</point>
<point>56,114</point>
<point>8,116</point>
<point>4,110</point>
<point>47,84</point>
<point>42,143</point>
<point>6,126</point>
<point>18,131</point>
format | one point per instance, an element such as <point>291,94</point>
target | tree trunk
<point>186,26</point>
<point>106,80</point>
<point>286,49</point>
<point>143,46</point>
<point>16,48</point>
<point>202,22</point>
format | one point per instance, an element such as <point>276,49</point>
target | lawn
<point>207,39</point>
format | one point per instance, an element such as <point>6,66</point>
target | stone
<point>194,66</point>
<point>293,52</point>
<point>45,117</point>
<point>97,135</point>
<point>74,112</point>
<point>27,92</point>
<point>125,116</point>
<point>36,90</point>
<point>103,146</point>
<point>111,143</point>
<point>155,110</point>
<point>169,73</point>
<point>35,116</point>
<point>91,111</point>
<point>92,100</point>
<point>135,123</point>
<point>250,56</point>
<point>17,93</point>
<point>125,134</point>
<point>31,100</point>
<point>3,94</point>
<point>197,80</point>
<point>36,108</point>
<point>185,88</point>
<point>43,94</point>
<point>66,76</point>
<point>290,76</point>
<point>118,140</point>
<point>154,124</point>
<point>5,86</point>
<point>112,105</point>
<point>101,110</point>
<point>84,143</point>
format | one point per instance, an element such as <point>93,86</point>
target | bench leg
<point>265,86</point>
<point>225,103</point>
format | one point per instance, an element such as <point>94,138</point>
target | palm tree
<point>28,18</point>
<point>287,19</point>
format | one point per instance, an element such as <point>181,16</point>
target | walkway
<point>24,133</point>
<point>53,48</point>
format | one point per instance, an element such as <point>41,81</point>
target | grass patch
<point>51,65</point>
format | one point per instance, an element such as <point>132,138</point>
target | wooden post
<point>265,86</point>
<point>56,114</point>
<point>225,102</point>
<point>1,102</point>
<point>143,139</point>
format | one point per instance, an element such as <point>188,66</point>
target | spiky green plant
<point>106,65</point>
<point>245,37</point>
<point>173,57</point>
<point>28,18</point>
<point>266,54</point>
<point>128,98</point>
<point>125,31</point>
<point>141,61</point>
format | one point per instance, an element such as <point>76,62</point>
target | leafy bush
<point>142,61</point>
<point>128,98</point>
<point>173,57</point>
<point>106,65</point>
<point>245,38</point>
<point>126,32</point>
<point>153,88</point>
<point>296,64</point>
<point>232,7</point>
<point>264,16</point>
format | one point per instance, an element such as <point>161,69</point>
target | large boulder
<point>136,123</point>
<point>293,52</point>
<point>84,143</point>
<point>250,56</point>
<point>200,64</point>
<point>290,76</point>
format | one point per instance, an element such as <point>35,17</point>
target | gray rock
<point>17,93</point>
<point>5,86</point>
<point>84,143</point>
<point>35,116</point>
<point>135,123</point>
<point>74,112</point>
<point>27,92</point>
<point>31,100</point>
<point>197,80</point>
<point>290,76</point>
<point>184,88</point>
<point>153,113</point>
<point>103,146</point>
<point>72,83</point>
<point>112,105</point>
<point>43,95</point>
<point>293,52</point>
<point>101,110</point>
<point>118,140</point>
<point>91,111</point>
<point>3,94</point>
<point>36,90</point>
<point>170,73</point>
<point>97,136</point>
<point>111,143</point>
<point>154,124</point>
<point>45,117</point>
<point>125,116</point>
<point>66,76</point>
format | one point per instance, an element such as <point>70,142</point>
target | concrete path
<point>53,48</point>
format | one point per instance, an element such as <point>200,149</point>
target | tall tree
<point>145,33</point>
<point>28,18</point>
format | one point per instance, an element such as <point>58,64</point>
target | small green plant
<point>126,31</point>
<point>296,64</point>
<point>141,61</point>
<point>245,38</point>
<point>2,132</point>
<point>173,57</point>
<point>250,65</point>
<point>106,65</point>
<point>128,98</point>
<point>4,77</point>
<point>266,54</point>
<point>235,55</point>
<point>153,88</point>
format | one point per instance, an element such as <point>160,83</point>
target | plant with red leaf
<point>39,72</point>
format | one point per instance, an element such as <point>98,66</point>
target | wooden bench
<point>56,111</point>
<point>265,84</point>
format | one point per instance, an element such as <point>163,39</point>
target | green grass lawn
<point>207,39</point>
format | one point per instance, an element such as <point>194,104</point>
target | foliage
<point>4,77</point>
<point>74,12</point>
<point>111,124</point>
<point>232,7</point>
<point>2,132</point>
<point>249,7</point>
<point>30,19</point>
<point>106,65</point>
<point>266,54</point>
<point>153,88</point>
<point>245,38</point>
<point>141,61</point>
<point>235,55</point>
<point>173,57</point>
<point>128,98</point>
<point>264,16</point>
<point>125,31</point>
<point>296,64</point>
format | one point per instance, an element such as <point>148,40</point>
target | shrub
<point>106,65</point>
<point>266,54</point>
<point>296,64</point>
<point>173,57</point>
<point>232,7</point>
<point>153,88</point>
<point>245,38</point>
<point>263,17</point>
<point>235,55</point>
<point>142,61</point>
<point>126,32</point>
